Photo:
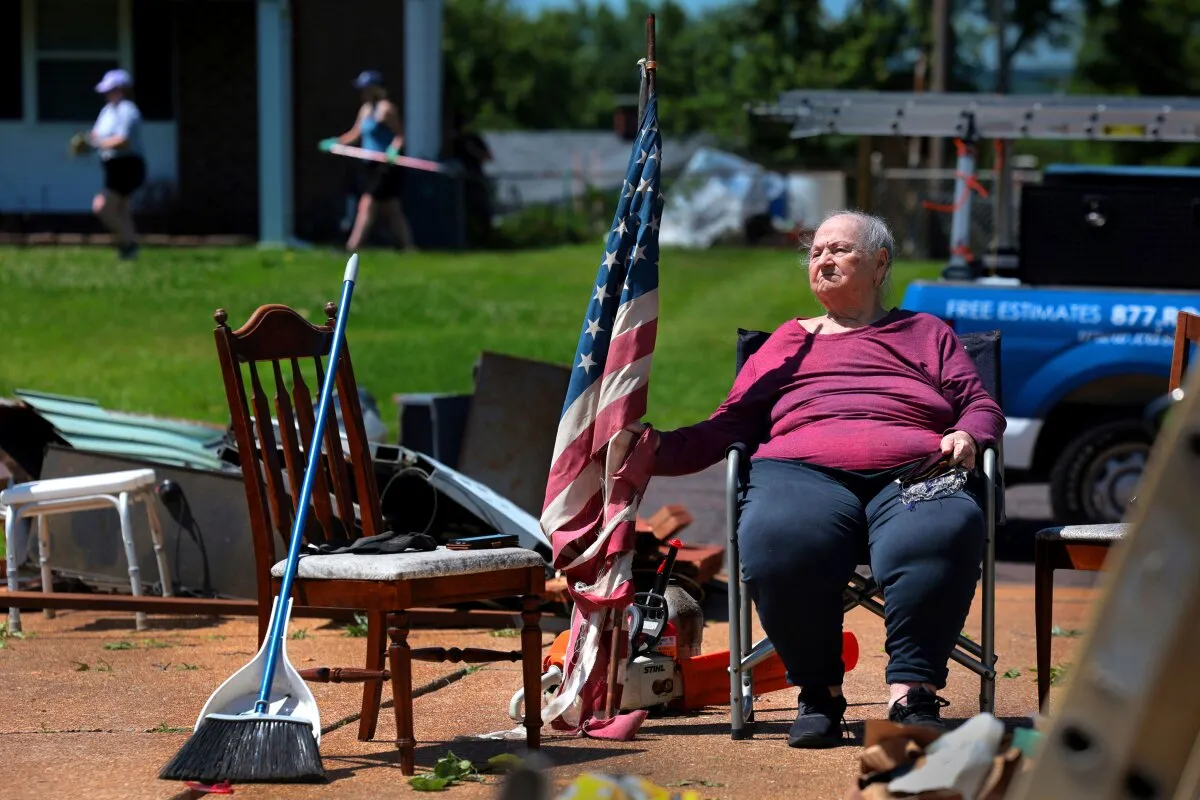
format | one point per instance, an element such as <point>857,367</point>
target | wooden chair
<point>277,345</point>
<point>1085,547</point>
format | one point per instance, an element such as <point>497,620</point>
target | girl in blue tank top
<point>378,129</point>
<point>375,134</point>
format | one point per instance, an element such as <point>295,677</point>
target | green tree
<point>1136,47</point>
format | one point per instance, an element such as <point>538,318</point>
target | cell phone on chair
<point>486,542</point>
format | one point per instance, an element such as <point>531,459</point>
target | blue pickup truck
<point>1078,366</point>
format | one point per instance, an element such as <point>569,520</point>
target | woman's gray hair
<point>874,235</point>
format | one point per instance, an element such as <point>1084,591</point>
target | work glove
<point>327,144</point>
<point>79,144</point>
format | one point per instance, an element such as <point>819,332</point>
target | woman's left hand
<point>959,448</point>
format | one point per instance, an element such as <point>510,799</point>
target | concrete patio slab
<point>106,730</point>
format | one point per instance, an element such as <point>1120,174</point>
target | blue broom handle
<point>275,633</point>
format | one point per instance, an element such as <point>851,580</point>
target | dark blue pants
<point>802,531</point>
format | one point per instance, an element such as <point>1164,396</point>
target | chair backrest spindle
<point>345,499</point>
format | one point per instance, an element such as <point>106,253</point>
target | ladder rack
<point>986,116</point>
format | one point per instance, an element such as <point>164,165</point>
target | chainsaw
<point>666,670</point>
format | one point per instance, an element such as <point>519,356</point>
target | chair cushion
<point>410,566</point>
<point>77,486</point>
<point>1098,534</point>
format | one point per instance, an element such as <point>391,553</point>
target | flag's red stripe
<point>587,521</point>
<point>576,456</point>
<point>627,348</point>
<point>623,410</point>
<point>631,346</point>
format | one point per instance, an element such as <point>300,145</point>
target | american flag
<point>599,471</point>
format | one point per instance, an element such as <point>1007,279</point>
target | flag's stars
<point>644,185</point>
<point>639,253</point>
<point>642,158</point>
<point>593,327</point>
<point>621,229</point>
<point>654,223</point>
<point>629,189</point>
<point>653,154</point>
<point>601,292</point>
<point>586,363</point>
<point>610,259</point>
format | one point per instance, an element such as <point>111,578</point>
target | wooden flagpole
<point>651,64</point>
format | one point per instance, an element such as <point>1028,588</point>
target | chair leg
<point>741,689</point>
<point>264,622</point>
<point>987,639</point>
<point>1043,614</point>
<point>400,658</point>
<point>135,578</point>
<point>15,531</point>
<point>160,552</point>
<point>531,669</point>
<point>373,690</point>
<point>43,536</point>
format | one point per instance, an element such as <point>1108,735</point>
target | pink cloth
<point>873,398</point>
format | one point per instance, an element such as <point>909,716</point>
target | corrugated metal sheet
<point>85,425</point>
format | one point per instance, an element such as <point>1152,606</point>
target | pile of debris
<point>464,465</point>
<point>978,760</point>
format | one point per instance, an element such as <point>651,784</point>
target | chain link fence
<point>919,203</point>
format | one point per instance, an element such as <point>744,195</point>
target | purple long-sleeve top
<point>872,398</point>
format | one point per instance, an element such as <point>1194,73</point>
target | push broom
<point>262,723</point>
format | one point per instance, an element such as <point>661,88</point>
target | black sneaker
<point>922,708</point>
<point>819,721</point>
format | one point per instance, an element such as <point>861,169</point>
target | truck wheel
<point>1098,472</point>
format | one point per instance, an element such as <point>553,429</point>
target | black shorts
<point>381,181</point>
<point>124,175</point>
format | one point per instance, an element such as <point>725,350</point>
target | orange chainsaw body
<point>705,678</point>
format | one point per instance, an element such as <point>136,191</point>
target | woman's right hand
<point>636,428</point>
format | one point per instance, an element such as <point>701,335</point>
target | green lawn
<point>138,336</point>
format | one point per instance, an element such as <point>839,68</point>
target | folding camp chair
<point>984,350</point>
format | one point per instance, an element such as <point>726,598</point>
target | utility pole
<point>863,181</point>
<point>940,74</point>
<point>1002,244</point>
<point>914,144</point>
<point>938,83</point>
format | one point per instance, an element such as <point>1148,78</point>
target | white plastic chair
<point>37,500</point>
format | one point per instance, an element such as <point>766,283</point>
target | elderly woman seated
<point>844,413</point>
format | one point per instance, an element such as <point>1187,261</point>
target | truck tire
<point>1097,473</point>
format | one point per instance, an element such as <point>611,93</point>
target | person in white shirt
<point>117,137</point>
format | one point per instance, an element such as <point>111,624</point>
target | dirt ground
<point>91,708</point>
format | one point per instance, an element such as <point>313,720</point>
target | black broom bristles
<point>250,749</point>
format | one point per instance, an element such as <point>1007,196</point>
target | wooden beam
<point>203,606</point>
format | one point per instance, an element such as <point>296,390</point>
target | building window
<point>11,69</point>
<point>74,44</point>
